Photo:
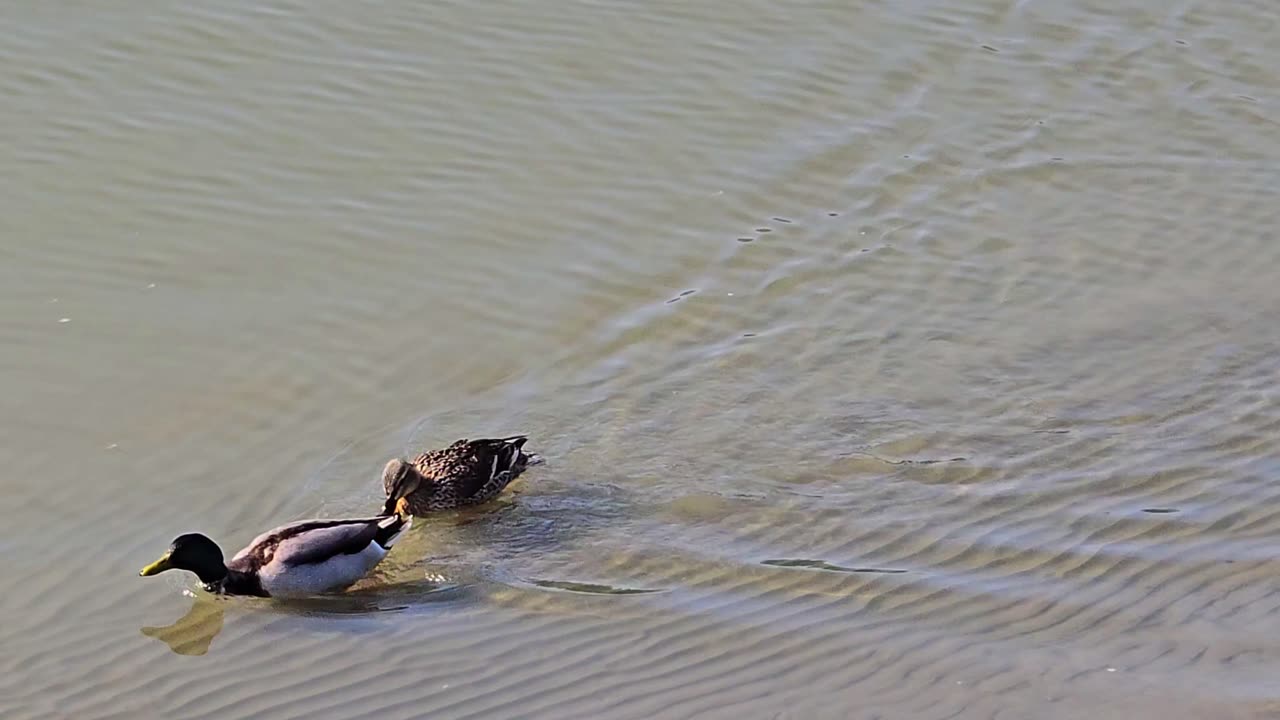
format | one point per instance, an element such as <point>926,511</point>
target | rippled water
<point>890,359</point>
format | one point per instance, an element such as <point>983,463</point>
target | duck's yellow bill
<point>156,567</point>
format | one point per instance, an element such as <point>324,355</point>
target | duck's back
<point>312,556</point>
<point>471,471</point>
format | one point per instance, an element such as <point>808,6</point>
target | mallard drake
<point>295,560</point>
<point>467,472</point>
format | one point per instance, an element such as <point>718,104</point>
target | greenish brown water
<point>890,359</point>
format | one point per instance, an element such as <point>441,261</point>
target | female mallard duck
<point>465,473</point>
<point>302,558</point>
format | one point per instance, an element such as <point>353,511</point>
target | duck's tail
<point>518,459</point>
<point>391,528</point>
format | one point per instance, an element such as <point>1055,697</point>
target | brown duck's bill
<point>396,507</point>
<point>156,567</point>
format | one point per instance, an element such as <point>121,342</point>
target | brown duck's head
<point>399,479</point>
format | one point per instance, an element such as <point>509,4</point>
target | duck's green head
<point>192,552</point>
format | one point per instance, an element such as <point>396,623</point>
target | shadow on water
<point>508,538</point>
<point>591,588</point>
<point>501,542</point>
<point>194,632</point>
<point>829,567</point>
<point>391,597</point>
<point>544,518</point>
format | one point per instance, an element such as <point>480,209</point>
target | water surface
<point>890,359</point>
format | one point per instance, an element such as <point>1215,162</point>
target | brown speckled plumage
<point>467,472</point>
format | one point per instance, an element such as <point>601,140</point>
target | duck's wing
<point>260,549</point>
<point>438,464</point>
<point>309,541</point>
<point>472,464</point>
